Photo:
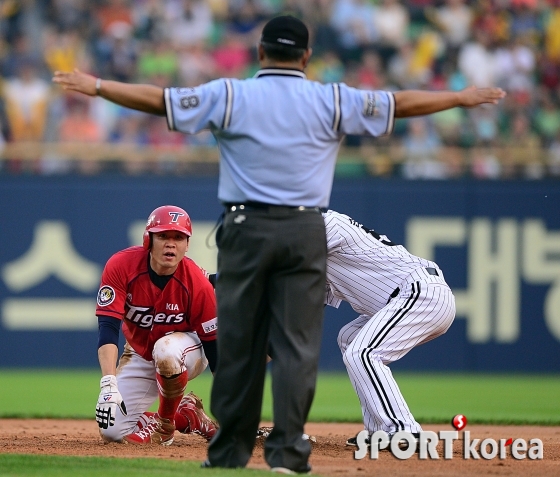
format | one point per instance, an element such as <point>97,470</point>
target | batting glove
<point>109,400</point>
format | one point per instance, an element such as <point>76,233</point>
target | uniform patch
<point>190,102</point>
<point>210,325</point>
<point>105,296</point>
<point>370,104</point>
<point>183,91</point>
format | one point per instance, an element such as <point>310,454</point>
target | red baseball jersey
<point>186,303</point>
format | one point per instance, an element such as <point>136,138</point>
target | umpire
<point>278,135</point>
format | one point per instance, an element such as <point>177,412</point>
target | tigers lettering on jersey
<point>144,317</point>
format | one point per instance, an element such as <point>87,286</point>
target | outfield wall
<point>498,244</point>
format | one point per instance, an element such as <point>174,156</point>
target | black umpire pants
<point>270,292</point>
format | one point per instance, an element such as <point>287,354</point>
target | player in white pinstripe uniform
<point>403,301</point>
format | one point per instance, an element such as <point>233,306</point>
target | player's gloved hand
<point>109,400</point>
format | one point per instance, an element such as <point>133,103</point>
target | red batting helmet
<point>167,217</point>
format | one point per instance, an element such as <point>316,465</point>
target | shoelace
<point>204,428</point>
<point>149,429</point>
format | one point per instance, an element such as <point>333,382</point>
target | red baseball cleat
<point>152,430</point>
<point>192,410</point>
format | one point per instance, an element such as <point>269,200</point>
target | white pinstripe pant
<point>423,310</point>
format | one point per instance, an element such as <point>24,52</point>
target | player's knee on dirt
<point>109,434</point>
<point>178,352</point>
<point>115,433</point>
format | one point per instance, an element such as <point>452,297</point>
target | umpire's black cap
<point>286,30</point>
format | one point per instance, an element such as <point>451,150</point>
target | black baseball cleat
<point>353,441</point>
<point>403,443</point>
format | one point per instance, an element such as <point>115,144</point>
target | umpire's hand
<point>473,96</point>
<point>77,81</point>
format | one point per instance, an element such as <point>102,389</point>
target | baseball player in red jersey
<point>167,309</point>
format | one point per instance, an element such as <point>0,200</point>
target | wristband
<point>98,86</point>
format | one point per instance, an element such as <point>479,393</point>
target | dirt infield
<point>330,456</point>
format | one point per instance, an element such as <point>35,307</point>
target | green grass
<point>12,465</point>
<point>433,397</point>
<point>483,398</point>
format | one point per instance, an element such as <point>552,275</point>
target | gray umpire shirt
<point>278,132</point>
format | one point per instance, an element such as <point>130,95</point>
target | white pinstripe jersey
<point>363,267</point>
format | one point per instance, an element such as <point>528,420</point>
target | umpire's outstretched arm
<point>418,103</point>
<point>142,97</point>
<point>149,98</point>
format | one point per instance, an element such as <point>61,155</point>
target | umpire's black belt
<point>264,207</point>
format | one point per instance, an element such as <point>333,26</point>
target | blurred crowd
<point>370,44</point>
